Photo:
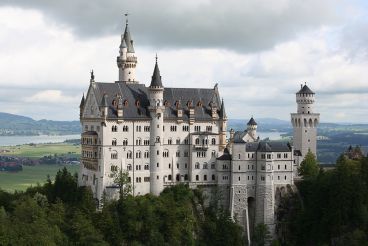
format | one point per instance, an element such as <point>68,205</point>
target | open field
<point>40,150</point>
<point>31,175</point>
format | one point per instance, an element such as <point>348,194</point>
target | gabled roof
<point>139,92</point>
<point>226,156</point>
<point>104,101</point>
<point>268,146</point>
<point>305,90</point>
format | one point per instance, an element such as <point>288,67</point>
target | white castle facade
<point>166,136</point>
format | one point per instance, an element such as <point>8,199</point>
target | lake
<point>19,140</point>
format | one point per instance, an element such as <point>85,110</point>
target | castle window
<point>125,128</point>
<point>114,155</point>
<point>169,165</point>
<point>213,153</point>
<point>285,167</point>
<point>138,154</point>
<point>239,156</point>
<point>209,128</point>
<point>113,143</point>
<point>205,177</point>
<point>173,128</point>
<point>138,167</point>
<point>197,141</point>
<point>196,165</point>
<point>125,142</point>
<point>285,155</point>
<point>262,178</point>
<point>166,103</point>
<point>125,103</point>
<point>185,128</point>
<point>114,128</point>
<point>178,141</point>
<point>157,177</point>
<point>138,128</point>
<point>213,177</point>
<point>205,165</point>
<point>157,164</point>
<point>278,156</point>
<point>197,128</point>
<point>263,167</point>
<point>129,167</point>
<point>263,156</point>
<point>169,141</point>
<point>285,177</point>
<point>248,177</point>
<point>278,177</point>
<point>213,141</point>
<point>197,177</point>
<point>158,152</point>
<point>169,177</point>
<point>129,155</point>
<point>146,179</point>
<point>186,177</point>
<point>178,177</point>
<point>177,153</point>
<point>269,156</point>
<point>165,153</point>
<point>278,167</point>
<point>186,154</point>
<point>146,167</point>
<point>177,165</point>
<point>114,168</point>
<point>186,141</point>
<point>146,154</point>
<point>199,104</point>
<point>239,168</point>
<point>239,180</point>
<point>137,103</point>
<point>213,165</point>
<point>138,141</point>
<point>146,128</point>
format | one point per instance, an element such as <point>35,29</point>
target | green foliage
<point>333,207</point>
<point>309,167</point>
<point>60,213</point>
<point>261,235</point>
<point>121,179</point>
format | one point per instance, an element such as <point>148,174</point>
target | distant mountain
<point>264,124</point>
<point>13,125</point>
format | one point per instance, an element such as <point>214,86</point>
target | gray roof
<point>131,93</point>
<point>104,101</point>
<point>156,77</point>
<point>226,156</point>
<point>305,90</point>
<point>82,102</point>
<point>268,146</point>
<point>238,136</point>
<point>252,122</point>
<point>128,39</point>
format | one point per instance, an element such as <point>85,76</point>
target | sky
<point>258,51</point>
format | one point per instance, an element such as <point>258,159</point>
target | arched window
<point>197,177</point>
<point>197,141</point>
<point>125,142</point>
<point>129,167</point>
<point>305,122</point>
<point>213,177</point>
<point>213,141</point>
<point>114,155</point>
<point>113,143</point>
<point>129,155</point>
<point>186,177</point>
<point>177,177</point>
<point>114,128</point>
<point>138,154</point>
<point>310,123</point>
<point>169,177</point>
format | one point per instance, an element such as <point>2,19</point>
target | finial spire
<point>156,57</point>
<point>126,18</point>
<point>92,76</point>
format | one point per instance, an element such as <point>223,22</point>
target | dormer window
<point>125,103</point>
<point>137,103</point>
<point>189,103</point>
<point>177,104</point>
<point>114,103</point>
<point>166,103</point>
<point>200,104</point>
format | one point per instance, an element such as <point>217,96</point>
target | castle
<point>165,136</point>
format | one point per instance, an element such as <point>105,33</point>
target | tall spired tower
<point>127,61</point>
<point>305,123</point>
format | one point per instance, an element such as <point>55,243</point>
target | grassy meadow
<point>40,150</point>
<point>31,176</point>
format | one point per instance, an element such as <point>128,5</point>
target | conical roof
<point>222,110</point>
<point>128,40</point>
<point>156,77</point>
<point>252,122</point>
<point>305,90</point>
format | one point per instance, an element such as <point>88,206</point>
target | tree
<point>309,167</point>
<point>261,235</point>
<point>121,179</point>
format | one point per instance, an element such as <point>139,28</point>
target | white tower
<point>156,108</point>
<point>305,123</point>
<point>127,61</point>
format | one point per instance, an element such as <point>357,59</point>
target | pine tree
<point>309,167</point>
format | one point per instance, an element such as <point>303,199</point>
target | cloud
<point>51,96</point>
<point>240,25</point>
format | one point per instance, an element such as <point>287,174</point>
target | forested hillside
<point>11,125</point>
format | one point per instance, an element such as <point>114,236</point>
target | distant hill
<point>13,125</point>
<point>264,124</point>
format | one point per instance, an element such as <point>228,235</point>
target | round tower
<point>127,61</point>
<point>156,108</point>
<point>305,123</point>
<point>252,128</point>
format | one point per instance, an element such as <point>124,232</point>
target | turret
<point>119,107</point>
<point>252,128</point>
<point>156,109</point>
<point>126,61</point>
<point>223,126</point>
<point>305,123</point>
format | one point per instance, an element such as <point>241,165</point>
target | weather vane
<point>126,15</point>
